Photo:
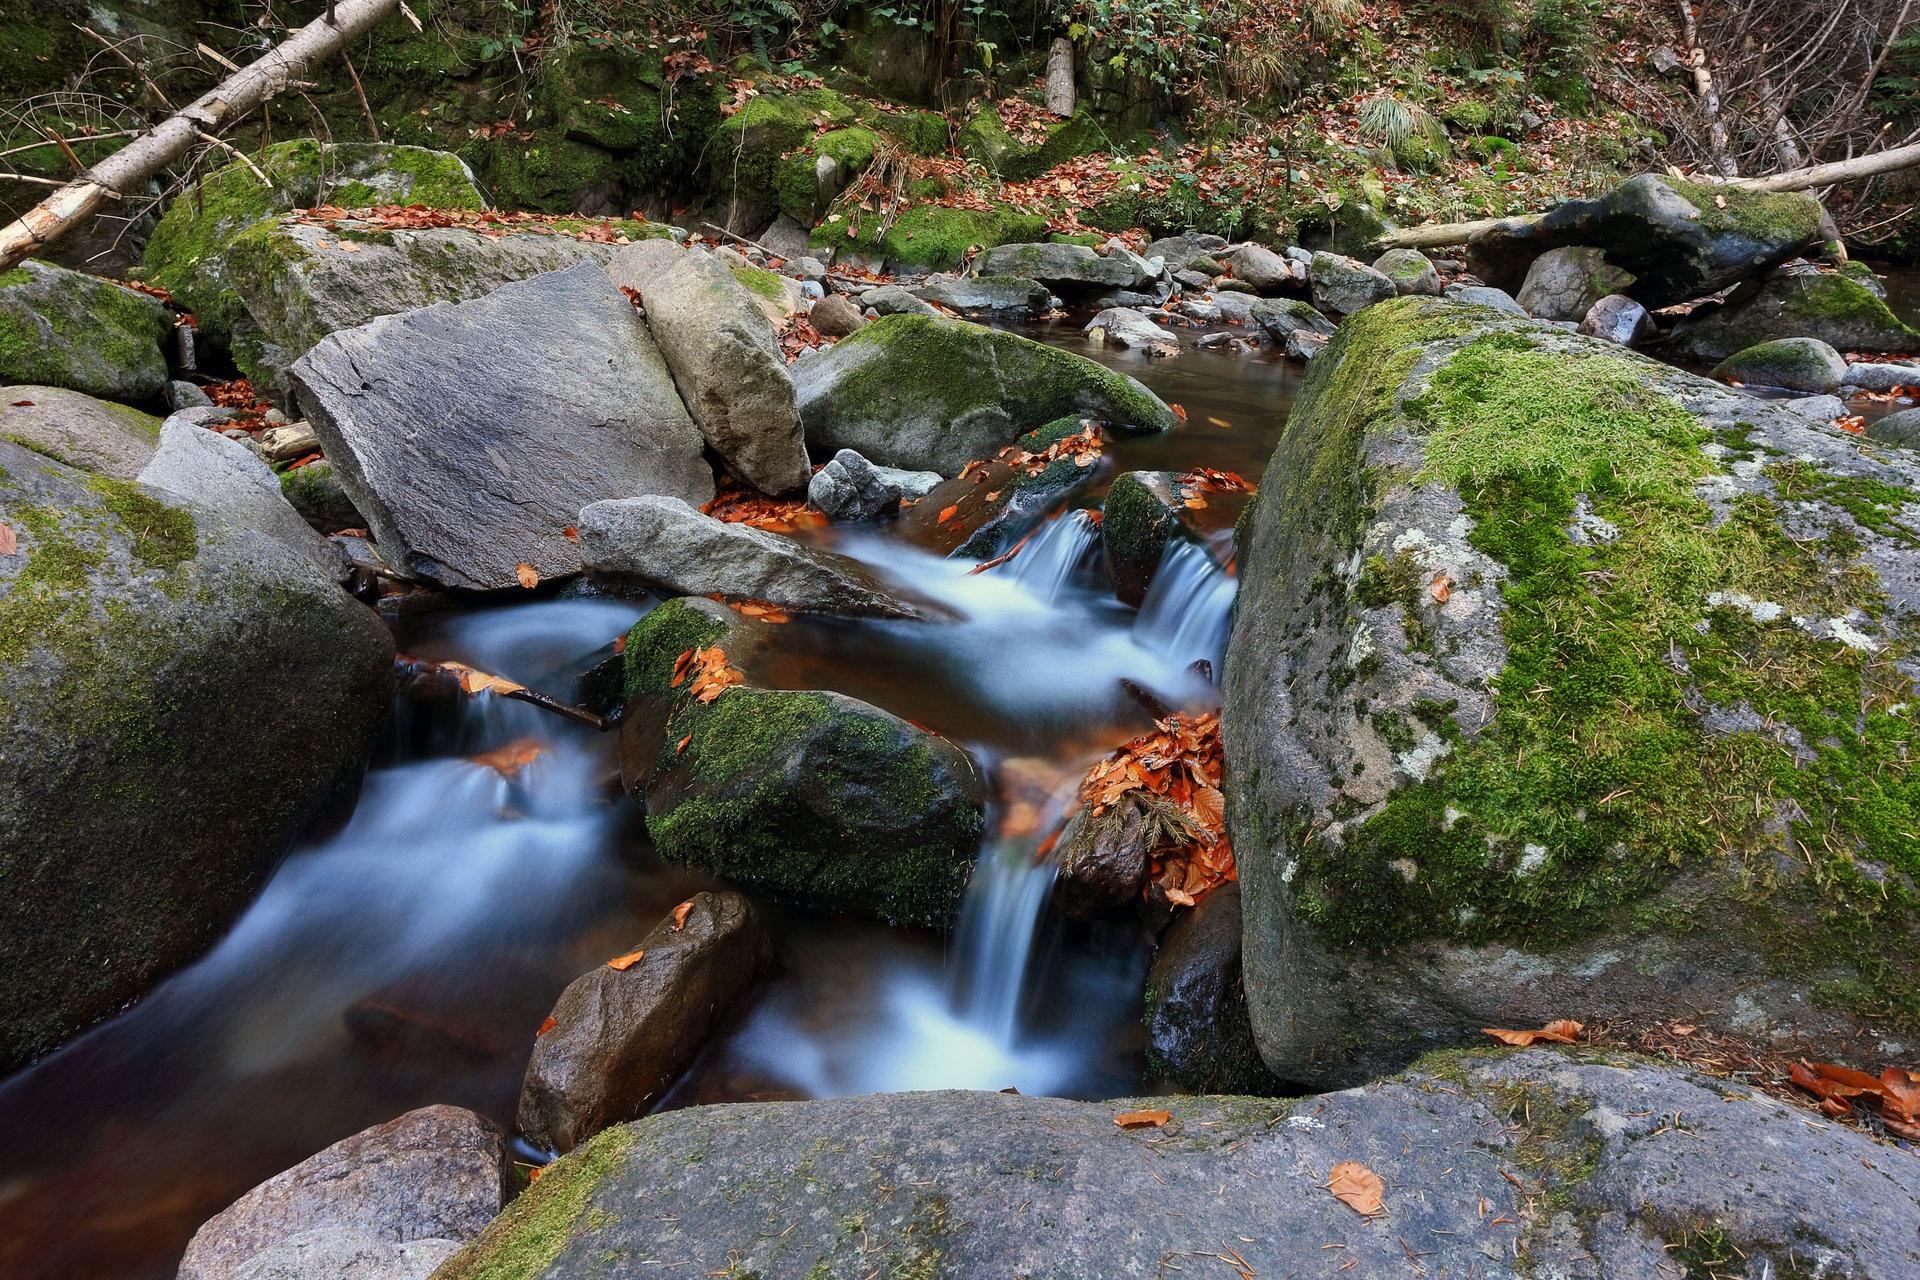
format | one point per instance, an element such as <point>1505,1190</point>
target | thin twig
<point>361,94</point>
<point>237,154</point>
<point>137,69</point>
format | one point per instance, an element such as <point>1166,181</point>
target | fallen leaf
<point>1357,1187</point>
<point>507,761</point>
<point>9,544</point>
<point>472,681</point>
<point>680,915</point>
<point>1179,411</point>
<point>529,576</point>
<point>545,1027</point>
<point>625,962</point>
<point>570,533</point>
<point>1564,1031</point>
<point>946,515</point>
<point>682,744</point>
<point>1683,1029</point>
<point>23,404</point>
<point>1142,1119</point>
<point>1441,588</point>
<point>619,644</point>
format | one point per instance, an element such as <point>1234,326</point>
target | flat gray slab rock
<point>94,435</point>
<point>1003,294</point>
<point>663,543</point>
<point>471,434</point>
<point>720,346</point>
<point>433,1174</point>
<point>1499,1164</point>
<point>1062,266</point>
<point>1343,286</point>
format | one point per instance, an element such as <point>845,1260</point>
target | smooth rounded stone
<point>317,494</point>
<point>621,1037</point>
<point>932,394</point>
<point>1199,1035</point>
<point>1344,286</point>
<point>1816,408</point>
<point>344,1253</point>
<point>1207,266</point>
<point>1103,863</point>
<point>470,435</point>
<point>1175,251</point>
<point>813,289</point>
<point>1144,267</point>
<point>61,328</point>
<point>1579,1171</point>
<point>812,270</point>
<point>274,418</point>
<point>1481,295</point>
<point>210,415</point>
<point>835,317</point>
<point>1195,309</point>
<point>1125,298</point>
<point>989,294</point>
<point>893,300</point>
<point>1866,377</point>
<point>1282,318</point>
<point>1619,319</point>
<point>1304,346</point>
<point>1062,267</point>
<point>1792,364</point>
<point>1220,341</point>
<point>1415,852</point>
<point>1194,280</point>
<point>1299,256</point>
<point>815,799</point>
<point>1235,307</point>
<point>438,1173</point>
<point>911,484</point>
<point>1262,268</point>
<point>288,442</point>
<point>223,475</point>
<point>1229,285</point>
<point>1795,304</point>
<point>724,358</point>
<point>786,238</point>
<point>1563,284</point>
<point>1142,516</point>
<point>849,487</point>
<point>185,395</point>
<point>662,543</point>
<point>1125,327</point>
<point>1902,428</point>
<point>94,435</point>
<point>1410,270</point>
<point>146,636</point>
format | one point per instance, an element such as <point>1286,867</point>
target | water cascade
<point>1188,608</point>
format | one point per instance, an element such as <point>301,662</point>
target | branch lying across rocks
<point>434,681</point>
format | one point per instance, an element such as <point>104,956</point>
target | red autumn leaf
<point>23,404</point>
<point>545,1027</point>
<point>619,644</point>
<point>946,515</point>
<point>570,533</point>
<point>680,916</point>
<point>625,962</point>
<point>1179,410</point>
<point>681,745</point>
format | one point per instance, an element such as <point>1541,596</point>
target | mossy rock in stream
<point>813,798</point>
<point>1836,309</point>
<point>1562,680</point>
<point>61,328</point>
<point>179,700</point>
<point>925,237</point>
<point>1142,516</point>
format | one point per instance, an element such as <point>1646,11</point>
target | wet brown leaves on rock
<point>526,575</point>
<point>1173,776</point>
<point>626,962</point>
<point>1562,1031</point>
<point>680,915</point>
<point>9,543</point>
<point>1894,1094</point>
<point>706,673</point>
<point>735,503</point>
<point>1142,1119</point>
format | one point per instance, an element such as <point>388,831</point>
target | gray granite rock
<point>1411,271</point>
<point>1063,267</point>
<point>849,487</point>
<point>1343,286</point>
<point>1792,364</point>
<point>1867,377</point>
<point>1564,284</point>
<point>61,328</point>
<point>1480,295</point>
<point>1618,318</point>
<point>975,295</point>
<point>212,471</point>
<point>70,426</point>
<point>1125,327</point>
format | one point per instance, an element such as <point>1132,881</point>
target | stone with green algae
<point>64,328</point>
<point>1834,308</point>
<point>1792,364</point>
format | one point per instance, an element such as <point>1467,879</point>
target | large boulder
<point>620,1037</point>
<point>1125,327</point>
<point>813,798</point>
<point>1198,1033</point>
<point>1344,286</point>
<point>1501,252</point>
<point>432,1177</point>
<point>1062,267</point>
<point>471,434</point>
<point>69,426</point>
<point>1789,303</point>
<point>1792,364</point>
<point>222,475</point>
<point>141,638</point>
<point>724,360</point>
<point>662,543</point>
<point>932,394</point>
<point>1494,1162</point>
<point>1262,268</point>
<point>1563,284</point>
<point>1282,318</point>
<point>61,328</point>
<point>1480,295</point>
<point>1434,774</point>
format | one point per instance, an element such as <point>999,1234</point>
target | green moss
<point>1764,217</point>
<point>1873,504</point>
<point>529,1234</point>
<point>741,730</point>
<point>656,642</point>
<point>922,133</point>
<point>163,536</point>
<point>63,328</point>
<point>985,138</point>
<point>764,283</point>
<point>1135,529</point>
<point>929,237</point>
<point>545,173</point>
<point>1787,362</point>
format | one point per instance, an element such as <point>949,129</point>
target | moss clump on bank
<point>656,642</point>
<point>928,237</point>
<point>1764,217</point>
<point>530,1233</point>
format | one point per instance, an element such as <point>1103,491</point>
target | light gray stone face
<point>1868,377</point>
<point>433,1175</point>
<point>1063,267</point>
<point>895,300</point>
<point>64,328</point>
<point>470,435</point>
<point>1262,268</point>
<point>94,435</point>
<point>1481,295</point>
<point>665,544</point>
<point>1586,1176</point>
<point>1563,284</point>
<point>725,361</point>
<point>1281,319</point>
<point>1411,272</point>
<point>1125,327</point>
<point>212,471</point>
<point>1343,286</point>
<point>849,487</point>
<point>1618,318</point>
<point>975,295</point>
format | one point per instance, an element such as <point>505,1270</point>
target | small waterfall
<point>994,946</point>
<point>1187,609</point>
<point>1046,565</point>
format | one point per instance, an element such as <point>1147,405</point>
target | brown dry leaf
<point>1564,1031</point>
<point>1142,1119</point>
<point>507,761</point>
<point>680,916</point>
<point>529,576</point>
<point>625,962</point>
<point>1210,806</point>
<point>1357,1187</point>
<point>1441,588</point>
<point>472,681</point>
<point>9,544</point>
<point>682,744</point>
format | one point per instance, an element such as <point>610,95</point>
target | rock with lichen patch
<point>1500,592</point>
<point>1791,364</point>
<point>62,328</point>
<point>94,435</point>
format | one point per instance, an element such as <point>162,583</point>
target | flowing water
<point>409,958</point>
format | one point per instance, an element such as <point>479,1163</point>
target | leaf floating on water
<point>1142,1119</point>
<point>1179,411</point>
<point>529,576</point>
<point>1562,1031</point>
<point>625,962</point>
<point>507,761</point>
<point>680,915</point>
<point>762,610</point>
<point>474,682</point>
<point>1357,1187</point>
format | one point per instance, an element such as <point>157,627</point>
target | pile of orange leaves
<point>1895,1095</point>
<point>756,609</point>
<point>706,673</point>
<point>1203,480</point>
<point>1083,447</point>
<point>735,503</point>
<point>1180,762</point>
<point>1562,1031</point>
<point>491,223</point>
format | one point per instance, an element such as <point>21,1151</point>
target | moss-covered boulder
<point>762,158</point>
<point>60,328</point>
<point>931,394</point>
<point>813,798</point>
<point>1562,681</point>
<point>1792,364</point>
<point>144,642</point>
<point>1016,158</point>
<point>93,435</point>
<point>1836,309</point>
<point>925,237</point>
<point>1142,515</point>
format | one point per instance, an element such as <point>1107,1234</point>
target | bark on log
<point>1432,235</point>
<point>126,169</point>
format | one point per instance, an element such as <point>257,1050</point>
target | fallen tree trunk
<point>1433,235</point>
<point>174,137</point>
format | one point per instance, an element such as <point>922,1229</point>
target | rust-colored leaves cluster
<point>680,915</point>
<point>1179,762</point>
<point>1191,487</point>
<point>706,673</point>
<point>735,503</point>
<point>1083,448</point>
<point>1562,1031</point>
<point>797,334</point>
<point>1895,1094</point>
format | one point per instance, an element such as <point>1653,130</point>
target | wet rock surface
<point>1199,1035</point>
<point>1142,516</point>
<point>1343,286</point>
<point>214,472</point>
<point>1505,1163</point>
<point>993,295</point>
<point>621,1037</point>
<point>471,452</point>
<point>62,328</point>
<point>1125,327</point>
<point>1790,303</point>
<point>69,426</point>
<point>849,487</point>
<point>384,1203</point>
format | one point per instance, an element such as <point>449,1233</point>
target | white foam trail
<point>1188,609</point>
